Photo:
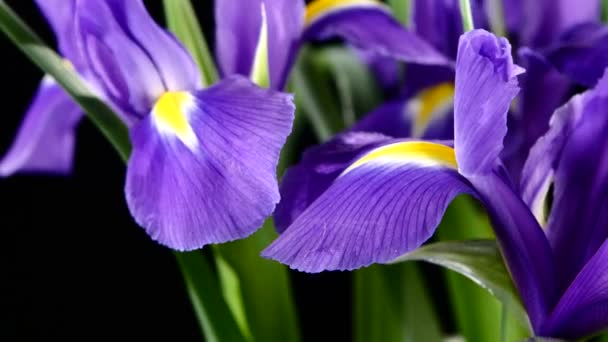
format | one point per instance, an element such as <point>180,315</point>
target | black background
<point>74,266</point>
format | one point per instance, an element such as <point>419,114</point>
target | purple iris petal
<point>61,19</point>
<point>390,119</point>
<point>373,28</point>
<point>45,141</point>
<point>134,60</point>
<point>542,22</point>
<point>540,166</point>
<point>583,310</point>
<point>523,243</point>
<point>212,177</point>
<point>544,89</point>
<point>486,84</point>
<point>320,166</point>
<point>171,60</point>
<point>578,220</point>
<point>372,213</point>
<point>238,25</point>
<point>439,22</point>
<point>581,53</point>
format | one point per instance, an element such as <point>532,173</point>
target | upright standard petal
<point>369,25</point>
<point>303,183</point>
<point>45,141</point>
<point>386,203</point>
<point>578,223</point>
<point>238,25</point>
<point>583,309</point>
<point>203,167</point>
<point>544,89</point>
<point>539,170</point>
<point>486,84</point>
<point>581,53</point>
<point>132,58</point>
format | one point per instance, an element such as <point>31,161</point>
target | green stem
<point>467,15</point>
<point>216,321</point>
<point>605,11</point>
<point>308,104</point>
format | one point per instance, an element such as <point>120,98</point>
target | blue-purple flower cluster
<point>477,115</point>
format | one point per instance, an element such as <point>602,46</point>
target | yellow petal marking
<point>418,152</point>
<point>170,114</point>
<point>428,103</point>
<point>320,7</point>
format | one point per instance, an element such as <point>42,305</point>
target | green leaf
<point>391,303</point>
<point>402,10</point>
<point>314,96</point>
<point>46,59</point>
<point>478,260</point>
<point>182,21</point>
<point>357,89</point>
<point>216,320</point>
<point>231,289</point>
<point>265,287</point>
<point>332,88</point>
<point>477,313</point>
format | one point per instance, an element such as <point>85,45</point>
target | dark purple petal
<point>541,22</point>
<point>45,141</point>
<point>428,115</point>
<point>582,53</point>
<point>486,84</point>
<point>238,25</point>
<point>439,22</point>
<point>522,242</point>
<point>132,58</point>
<point>303,183</point>
<point>390,119</point>
<point>583,309</point>
<point>203,167</point>
<point>544,89</point>
<point>383,205</point>
<point>370,26</point>
<point>539,169</point>
<point>578,222</point>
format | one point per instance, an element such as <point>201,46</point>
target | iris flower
<point>390,199</point>
<point>45,142</point>
<point>559,44</point>
<point>423,109</point>
<point>366,24</point>
<point>203,164</point>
